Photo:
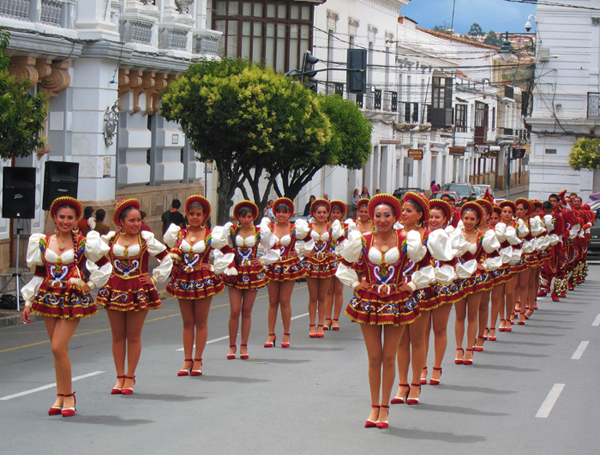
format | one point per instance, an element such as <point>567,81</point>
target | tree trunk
<point>228,182</point>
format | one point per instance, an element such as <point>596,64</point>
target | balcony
<point>56,13</point>
<point>206,42</point>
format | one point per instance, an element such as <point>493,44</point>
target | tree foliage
<point>476,30</point>
<point>246,118</point>
<point>492,39</point>
<point>22,115</point>
<point>441,28</point>
<point>585,154</point>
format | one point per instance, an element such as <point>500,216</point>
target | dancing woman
<point>194,281</point>
<point>249,274</point>
<point>523,268</point>
<point>130,292</point>
<point>284,273</point>
<point>382,302</point>
<point>320,263</point>
<point>57,291</point>
<point>335,294</point>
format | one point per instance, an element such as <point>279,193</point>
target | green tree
<point>476,30</point>
<point>245,117</point>
<point>492,39</point>
<point>441,28</point>
<point>585,154</point>
<point>22,115</point>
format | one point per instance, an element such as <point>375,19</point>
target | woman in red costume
<point>320,263</point>
<point>363,222</point>
<point>381,303</point>
<point>130,292</point>
<point>284,273</point>
<point>57,291</point>
<point>249,274</point>
<point>522,269</point>
<point>335,294</point>
<point>194,280</point>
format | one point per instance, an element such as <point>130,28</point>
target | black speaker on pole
<point>60,179</point>
<point>18,192</point>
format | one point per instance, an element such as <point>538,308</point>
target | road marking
<point>300,316</point>
<point>596,322</point>
<point>580,350</point>
<point>49,386</point>
<point>550,401</point>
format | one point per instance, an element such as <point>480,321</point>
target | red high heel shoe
<point>320,335</point>
<point>490,336</point>
<point>184,371</point>
<point>486,333</point>
<point>502,329</point>
<point>116,390</point>
<point>311,335</point>
<point>413,401</point>
<point>327,326</point>
<point>231,356</point>
<point>423,380</point>
<point>479,348</point>
<point>128,390</point>
<point>383,424</point>
<point>197,372</point>
<point>400,400</point>
<point>468,361</point>
<point>271,344</point>
<point>335,327</point>
<point>457,360</point>
<point>371,423</point>
<point>244,356</point>
<point>69,412</point>
<point>436,381</point>
<point>56,410</point>
<point>285,345</point>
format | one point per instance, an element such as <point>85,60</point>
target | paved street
<point>310,398</point>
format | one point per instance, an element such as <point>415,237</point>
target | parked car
<point>439,194</point>
<point>400,192</point>
<point>462,189</point>
<point>481,190</point>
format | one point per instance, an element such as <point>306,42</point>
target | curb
<point>14,318</point>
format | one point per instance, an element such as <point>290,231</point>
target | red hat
<point>537,204</point>
<point>341,205</point>
<point>487,196</point>
<point>317,202</point>
<point>561,197</point>
<point>422,201</point>
<point>510,204</point>
<point>384,198</point>
<point>66,200</point>
<point>286,201</point>
<point>361,202</point>
<point>497,209</point>
<point>486,205</point>
<point>439,204</point>
<point>122,205</point>
<point>251,205</point>
<point>200,200</point>
<point>527,203</point>
<point>474,206</point>
<point>586,207</point>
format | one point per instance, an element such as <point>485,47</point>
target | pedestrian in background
<point>101,227</point>
<point>86,223</point>
<point>434,187</point>
<point>172,216</point>
<point>308,204</point>
<point>355,199</point>
<point>144,227</point>
<point>365,193</point>
<point>268,211</point>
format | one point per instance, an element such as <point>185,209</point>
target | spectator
<point>173,216</point>
<point>101,227</point>
<point>84,224</point>
<point>144,227</point>
<point>377,191</point>
<point>355,199</point>
<point>268,212</point>
<point>326,196</point>
<point>308,204</point>
<point>365,193</point>
<point>434,187</point>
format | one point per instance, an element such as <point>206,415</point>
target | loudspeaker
<point>18,192</point>
<point>60,179</point>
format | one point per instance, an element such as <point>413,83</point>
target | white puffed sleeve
<point>267,239</point>
<point>398,226</point>
<point>163,270</point>
<point>440,246</point>
<point>516,256</point>
<point>96,249</point>
<point>351,224</point>
<point>528,246</point>
<point>548,223</point>
<point>574,231</point>
<point>459,243</point>
<point>543,243</point>
<point>422,278</point>
<point>522,229</point>
<point>490,241</point>
<point>536,225</point>
<point>500,230</point>
<point>347,276</point>
<point>506,254</point>
<point>221,263</point>
<point>302,229</point>
<point>29,290</point>
<point>352,250</point>
<point>491,264</point>
<point>467,269</point>
<point>271,257</point>
<point>460,226</point>
<point>170,236</point>
<point>220,236</point>
<point>34,254</point>
<point>303,247</point>
<point>553,239</point>
<point>445,274</point>
<point>336,230</point>
<point>511,236</point>
<point>414,247</point>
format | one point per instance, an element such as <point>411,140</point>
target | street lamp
<point>506,49</point>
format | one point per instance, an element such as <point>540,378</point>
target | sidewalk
<point>517,191</point>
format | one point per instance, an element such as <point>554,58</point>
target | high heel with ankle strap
<point>284,344</point>
<point>197,372</point>
<point>56,410</point>
<point>116,390</point>
<point>69,412</point>
<point>311,335</point>
<point>184,371</point>
<point>413,401</point>
<point>384,423</point>
<point>231,356</point>
<point>436,381</point>
<point>423,380</point>
<point>320,335</point>
<point>244,356</point>
<point>335,328</point>
<point>271,344</point>
<point>371,423</point>
<point>468,361</point>
<point>460,361</point>
<point>128,390</point>
<point>400,400</point>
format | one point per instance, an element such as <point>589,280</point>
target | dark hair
<point>243,211</point>
<point>387,204</point>
<point>100,215</point>
<point>472,198</point>
<point>176,203</point>
<point>547,205</point>
<point>312,197</point>
<point>555,196</point>
<point>195,206</point>
<point>523,204</point>
<point>438,208</point>
<point>282,207</point>
<point>143,214</point>
<point>87,212</point>
<point>469,209</point>
<point>65,206</point>
<point>417,207</point>
<point>125,212</point>
<point>318,206</point>
<point>449,196</point>
<point>573,195</point>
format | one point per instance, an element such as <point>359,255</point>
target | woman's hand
<point>480,267</point>
<point>26,314</point>
<point>293,254</point>
<point>147,280</point>
<point>332,256</point>
<point>86,288</point>
<point>404,287</point>
<point>256,262</point>
<point>363,286</point>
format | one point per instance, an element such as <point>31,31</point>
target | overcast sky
<point>497,15</point>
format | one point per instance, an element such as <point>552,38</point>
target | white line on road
<point>300,316</point>
<point>580,350</point>
<point>49,386</point>
<point>596,322</point>
<point>550,401</point>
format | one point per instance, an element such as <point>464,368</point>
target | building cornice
<point>390,5</point>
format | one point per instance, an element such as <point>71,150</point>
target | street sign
<point>416,154</point>
<point>457,151</point>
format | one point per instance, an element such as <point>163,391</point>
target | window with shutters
<point>441,102</point>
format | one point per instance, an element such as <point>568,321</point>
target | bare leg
<point>497,305</point>
<point>186,307</point>
<point>484,312</point>
<point>472,310</point>
<point>323,286</point>
<point>416,332</point>
<point>509,295</point>
<point>119,342</point>
<point>427,336</point>
<point>274,291</point>
<point>235,303</point>
<point>460,308</point>
<point>249,297</point>
<point>61,331</point>
<point>439,323</point>
<point>201,310</point>
<point>134,323</point>
<point>522,292</point>
<point>339,300</point>
<point>313,297</point>
<point>286,307</point>
<point>403,357</point>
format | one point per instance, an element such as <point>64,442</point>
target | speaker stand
<point>17,275</point>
